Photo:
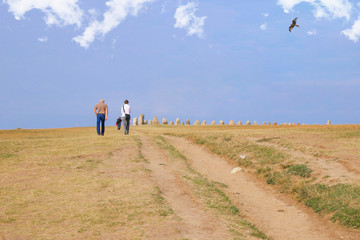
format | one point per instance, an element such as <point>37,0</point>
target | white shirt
<point>127,110</point>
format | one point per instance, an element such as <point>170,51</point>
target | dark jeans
<point>126,125</point>
<point>100,119</point>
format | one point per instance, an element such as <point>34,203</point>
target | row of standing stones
<point>141,121</point>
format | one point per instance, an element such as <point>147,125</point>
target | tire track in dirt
<point>195,223</point>
<point>278,217</point>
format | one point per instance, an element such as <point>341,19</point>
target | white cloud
<point>186,19</point>
<point>322,8</point>
<point>263,26</point>
<point>93,12</point>
<point>265,14</point>
<point>312,32</point>
<point>57,12</point>
<point>117,12</point>
<point>288,5</point>
<point>353,33</point>
<point>43,39</point>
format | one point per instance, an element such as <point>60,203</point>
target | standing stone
<point>150,122</point>
<point>269,123</point>
<point>197,123</point>
<point>285,124</point>
<point>275,123</point>
<point>232,123</point>
<point>141,119</point>
<point>177,121</point>
<point>328,122</point>
<point>155,121</point>
<point>248,122</point>
<point>135,122</point>
<point>213,122</point>
<point>171,123</point>
<point>203,123</point>
<point>188,122</point>
<point>164,121</point>
<point>221,122</point>
<point>298,124</point>
<point>145,122</point>
<point>255,123</point>
<point>239,123</point>
<point>264,123</point>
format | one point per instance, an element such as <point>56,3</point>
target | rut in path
<point>195,222</point>
<point>278,217</point>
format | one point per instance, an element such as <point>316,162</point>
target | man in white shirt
<point>125,114</point>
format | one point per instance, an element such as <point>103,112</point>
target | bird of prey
<point>293,24</point>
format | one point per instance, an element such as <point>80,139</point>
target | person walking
<point>125,113</point>
<point>101,112</point>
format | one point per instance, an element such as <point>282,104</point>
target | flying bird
<point>293,24</point>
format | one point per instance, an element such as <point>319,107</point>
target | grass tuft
<point>300,169</point>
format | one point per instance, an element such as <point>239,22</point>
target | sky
<point>202,60</point>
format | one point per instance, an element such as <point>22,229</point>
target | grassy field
<point>73,184</point>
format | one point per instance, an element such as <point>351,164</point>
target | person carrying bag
<point>125,113</point>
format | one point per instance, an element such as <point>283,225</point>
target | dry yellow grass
<point>73,184</point>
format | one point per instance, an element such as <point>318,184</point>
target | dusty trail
<point>195,223</point>
<point>278,217</point>
<point>335,171</point>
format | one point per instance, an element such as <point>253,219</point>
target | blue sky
<point>202,60</point>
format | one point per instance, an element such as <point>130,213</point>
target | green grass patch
<point>214,197</point>
<point>266,155</point>
<point>342,200</point>
<point>162,143</point>
<point>6,155</point>
<point>262,140</point>
<point>349,134</point>
<point>165,210</point>
<point>232,146</point>
<point>90,164</point>
<point>300,169</point>
<point>139,156</point>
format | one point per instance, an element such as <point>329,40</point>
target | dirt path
<point>195,222</point>
<point>278,217</point>
<point>326,170</point>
